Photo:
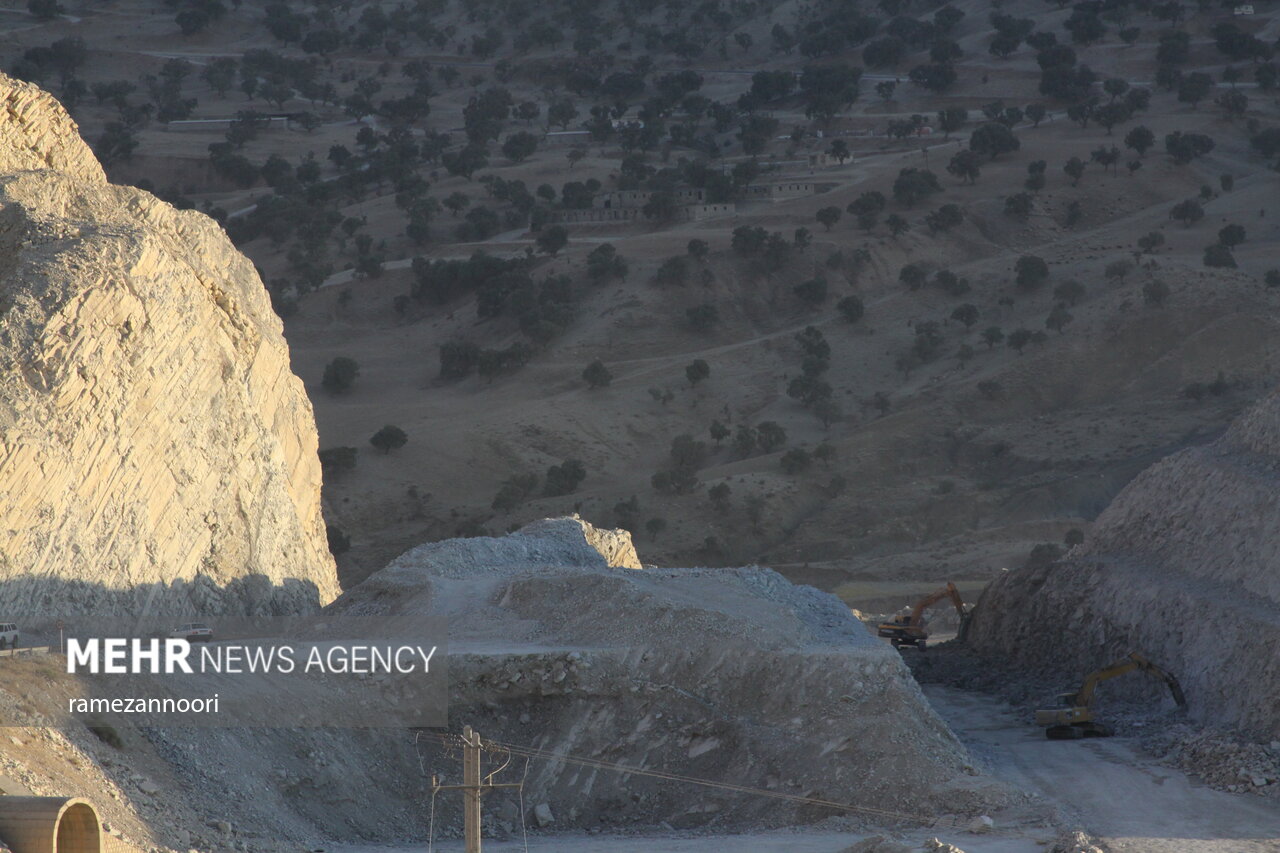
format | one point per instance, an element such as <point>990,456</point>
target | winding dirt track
<point>1108,786</point>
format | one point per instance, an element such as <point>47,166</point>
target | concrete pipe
<point>50,825</point>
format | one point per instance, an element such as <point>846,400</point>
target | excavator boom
<point>1076,719</point>
<point>910,630</point>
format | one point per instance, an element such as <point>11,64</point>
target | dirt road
<point>1108,786</point>
<point>757,842</point>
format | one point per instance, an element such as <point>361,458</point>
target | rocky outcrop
<point>157,456</point>
<point>1184,566</point>
<point>731,674</point>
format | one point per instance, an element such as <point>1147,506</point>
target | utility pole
<point>472,787</point>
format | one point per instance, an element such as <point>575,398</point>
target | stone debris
<point>1075,842</point>
<point>1220,759</point>
<point>877,844</point>
<point>981,824</point>
<point>937,846</point>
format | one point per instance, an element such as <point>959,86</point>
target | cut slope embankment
<point>1184,566</point>
<point>731,675</point>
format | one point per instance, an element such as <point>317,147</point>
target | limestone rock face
<point>614,545</point>
<point>1184,566</point>
<point>157,456</point>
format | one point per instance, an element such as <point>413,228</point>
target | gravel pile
<point>1220,759</point>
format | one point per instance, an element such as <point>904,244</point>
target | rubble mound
<point>1182,567</point>
<point>718,674</point>
<point>157,456</point>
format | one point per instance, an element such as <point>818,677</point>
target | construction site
<point>777,427</point>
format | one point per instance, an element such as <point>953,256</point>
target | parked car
<point>192,632</point>
<point>8,635</point>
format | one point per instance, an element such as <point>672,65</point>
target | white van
<point>8,635</point>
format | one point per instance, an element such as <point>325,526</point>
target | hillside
<point>952,442</point>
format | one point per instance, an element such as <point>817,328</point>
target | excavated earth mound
<point>1183,566</point>
<point>157,456</point>
<point>732,675</point>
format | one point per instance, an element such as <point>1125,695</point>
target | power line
<point>547,755</point>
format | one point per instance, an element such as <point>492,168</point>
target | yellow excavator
<point>1074,719</point>
<point>910,629</point>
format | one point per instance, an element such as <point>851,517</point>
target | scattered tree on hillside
<point>1031,272</point>
<point>552,239</point>
<point>1185,147</point>
<point>1234,103</point>
<point>914,185</point>
<point>1069,292</point>
<point>994,139</point>
<point>458,359</point>
<point>719,432</point>
<point>813,291</point>
<point>1058,319</point>
<point>1074,169</point>
<point>1119,269</point>
<point>952,119</point>
<point>1140,139</point>
<point>339,542</point>
<point>335,461</point>
<point>1194,87</point>
<point>1019,205</point>
<point>770,436</point>
<point>1231,235</point>
<point>1018,339</point>
<point>851,308</point>
<point>520,146</point>
<point>1150,241</point>
<point>912,275</point>
<point>604,263</point>
<point>1219,255</point>
<point>389,438</point>
<point>596,375</point>
<point>1155,292</point>
<point>514,491</point>
<point>828,216</point>
<point>339,375</point>
<point>1187,212</point>
<point>702,318</point>
<point>966,165</point>
<point>967,314</point>
<point>564,478</point>
<point>795,461</point>
<point>719,497</point>
<point>696,371</point>
<point>944,218</point>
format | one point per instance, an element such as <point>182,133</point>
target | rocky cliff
<point>157,456</point>
<point>1184,566</point>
